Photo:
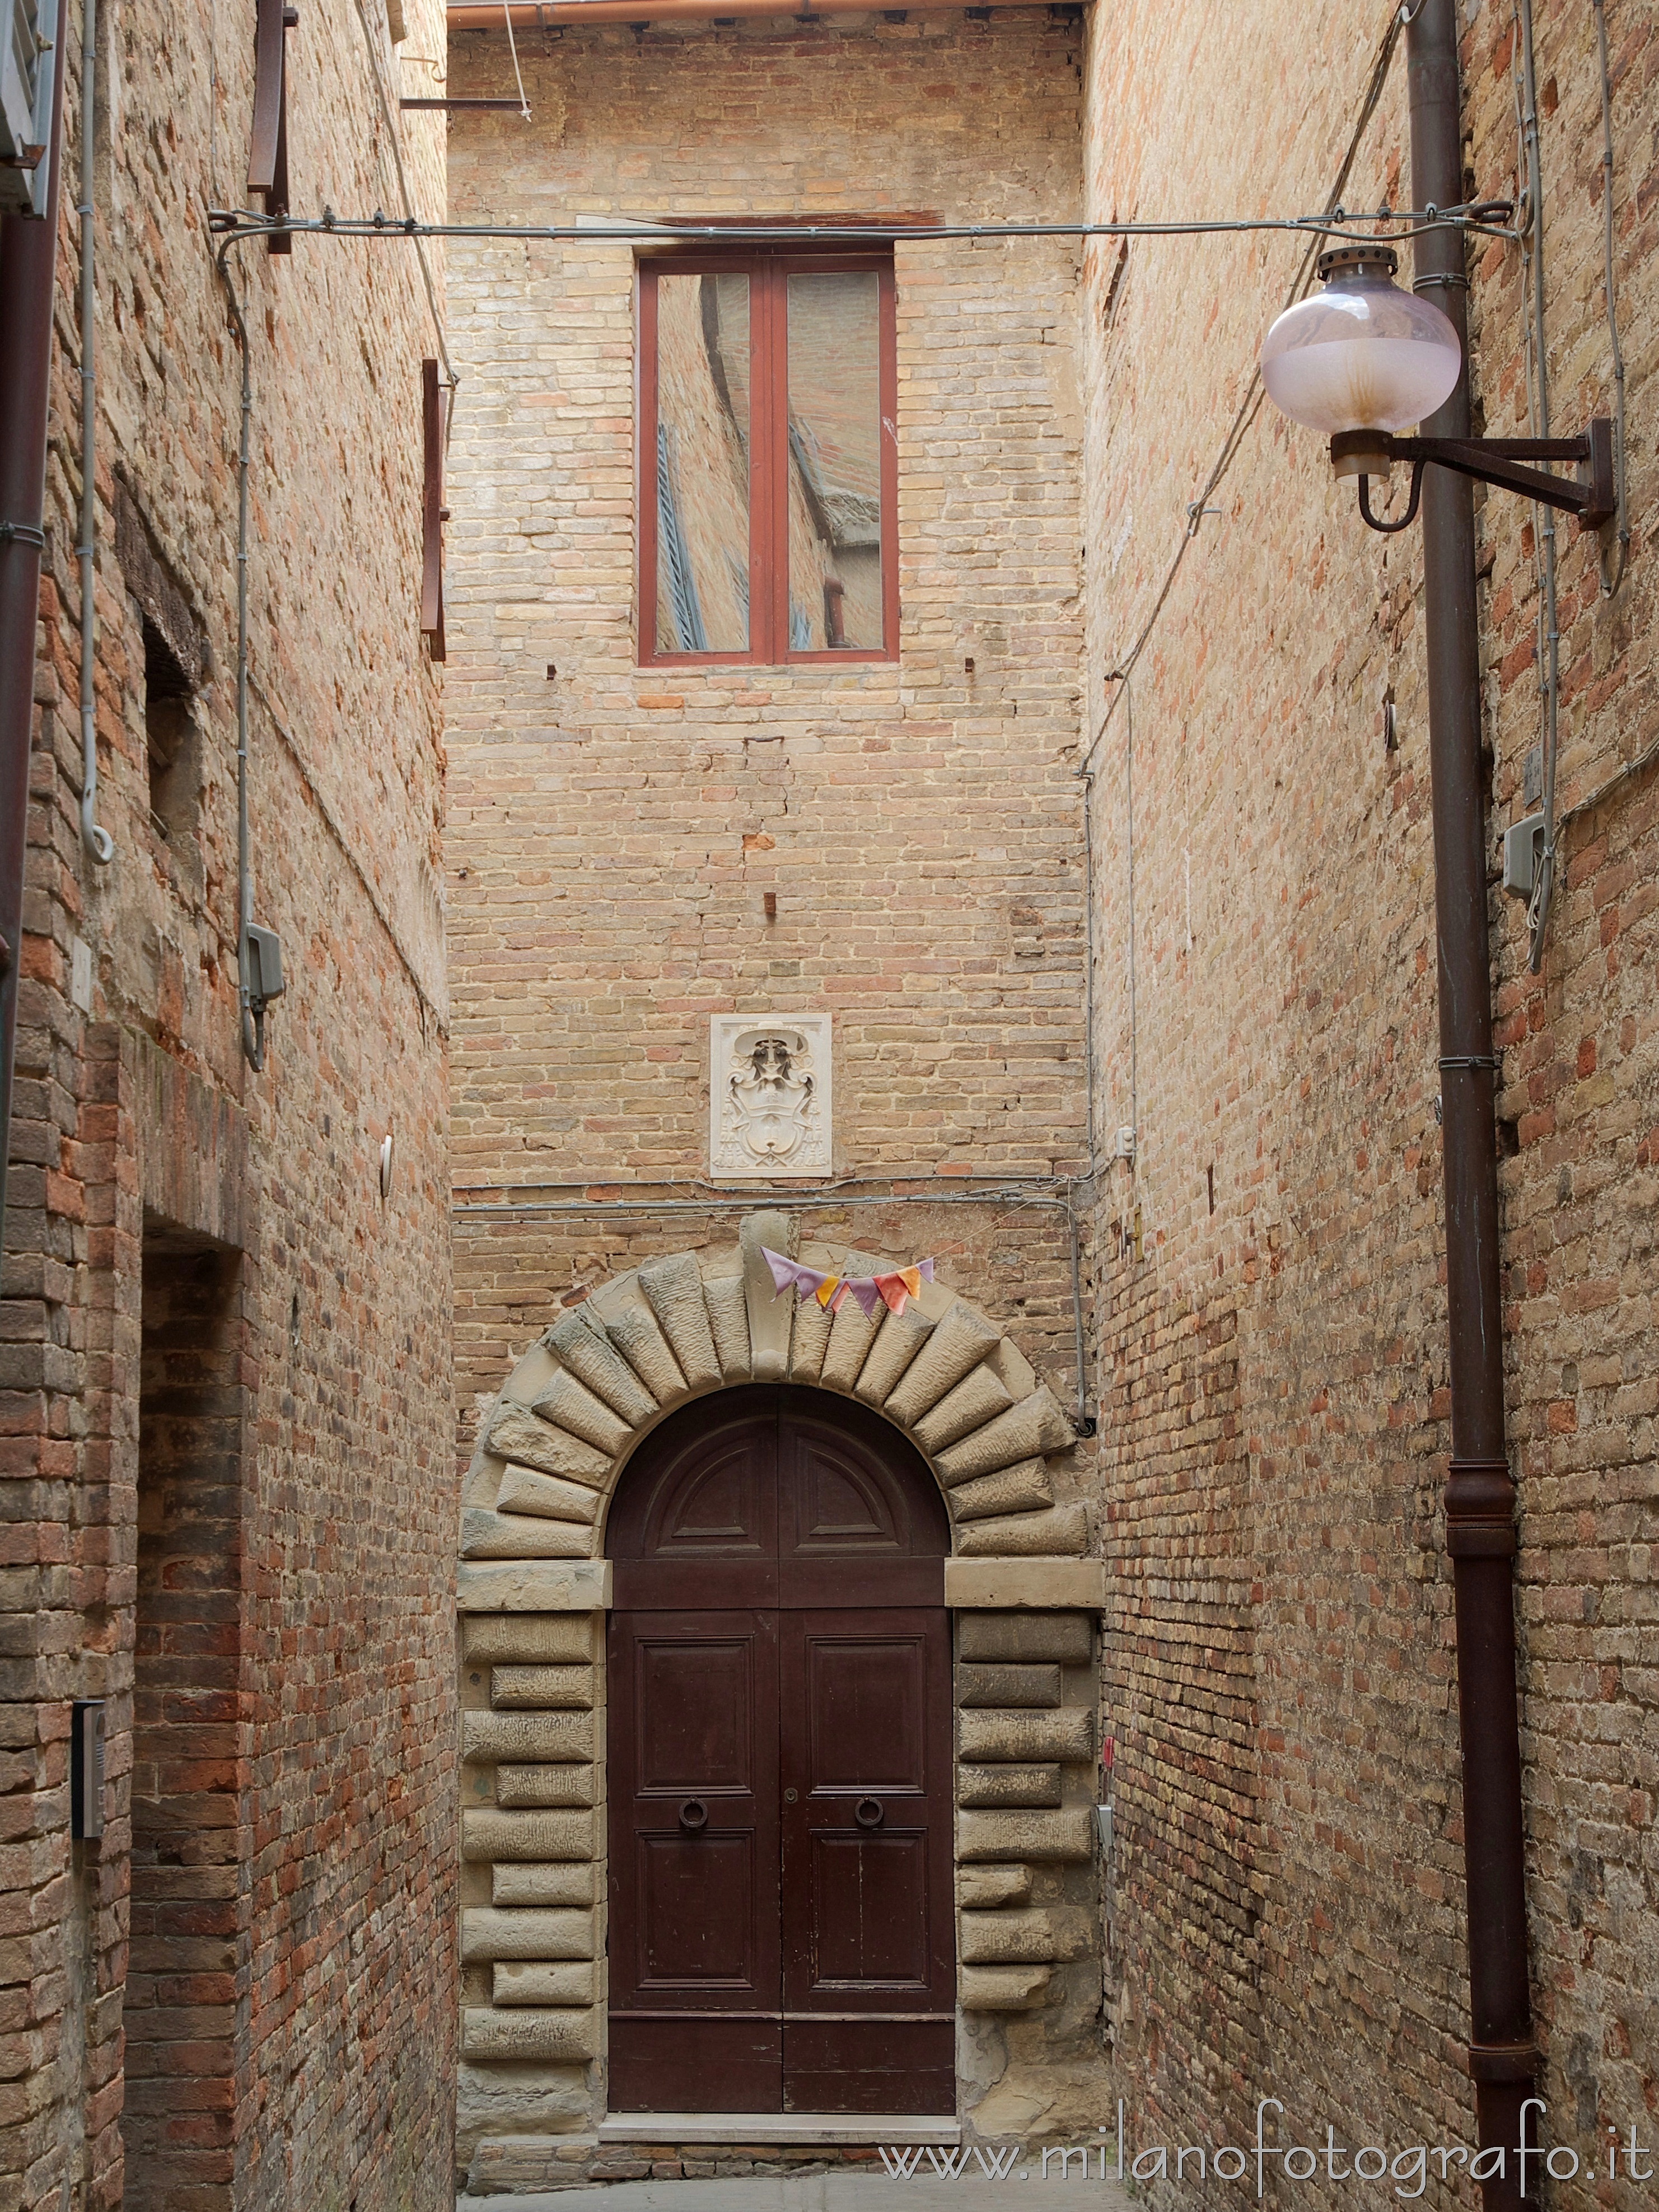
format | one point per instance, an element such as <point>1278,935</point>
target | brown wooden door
<point>780,1907</point>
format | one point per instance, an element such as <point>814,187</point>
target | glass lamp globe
<point>1362,354</point>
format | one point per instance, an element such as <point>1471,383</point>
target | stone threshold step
<point>799,2130</point>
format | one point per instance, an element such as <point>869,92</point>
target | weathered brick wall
<point>614,830</point>
<point>1288,1904</point>
<point>334,1742</point>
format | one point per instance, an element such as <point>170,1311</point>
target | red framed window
<point>767,471</point>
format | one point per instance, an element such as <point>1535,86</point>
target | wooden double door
<point>780,1927</point>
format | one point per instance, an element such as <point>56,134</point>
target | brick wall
<point>1288,1906</point>
<point>135,1113</point>
<point>614,830</point>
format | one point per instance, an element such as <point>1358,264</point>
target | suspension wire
<point>394,136</point>
<point>1333,221</point>
<point>1525,81</point>
<point>513,47</point>
<point>1610,583</point>
<point>1477,218</point>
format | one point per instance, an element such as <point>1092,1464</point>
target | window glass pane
<point>834,461</point>
<point>702,464</point>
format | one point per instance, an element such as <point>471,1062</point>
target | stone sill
<point>799,2130</point>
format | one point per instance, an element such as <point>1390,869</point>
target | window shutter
<point>433,512</point>
<point>29,62</point>
<point>267,159</point>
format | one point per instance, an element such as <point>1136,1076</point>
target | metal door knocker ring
<point>868,1813</point>
<point>694,1814</point>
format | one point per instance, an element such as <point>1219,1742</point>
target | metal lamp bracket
<point>1590,495</point>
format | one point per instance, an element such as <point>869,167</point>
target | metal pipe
<point>1480,1489</point>
<point>97,840</point>
<point>28,257</point>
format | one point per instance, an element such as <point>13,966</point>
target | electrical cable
<point>1334,222</point>
<point>1477,218</point>
<point>387,115</point>
<point>513,47</point>
<point>96,839</point>
<point>1610,585</point>
<point>252,1022</point>
<point>1538,414</point>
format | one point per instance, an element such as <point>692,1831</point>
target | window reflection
<point>702,464</point>
<point>834,461</point>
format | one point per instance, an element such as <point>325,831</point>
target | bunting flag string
<point>893,1289</point>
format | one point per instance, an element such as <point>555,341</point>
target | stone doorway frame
<point>533,1587</point>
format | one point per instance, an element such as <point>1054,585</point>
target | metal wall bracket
<point>1590,494</point>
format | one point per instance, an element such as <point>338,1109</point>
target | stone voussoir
<point>980,1396</point>
<point>593,1357</point>
<point>1030,1429</point>
<point>637,1335</point>
<point>728,1324</point>
<point>674,1287</point>
<point>959,1342</point>
<point>490,1535</point>
<point>898,1339</point>
<point>518,1434</point>
<point>551,1497</point>
<point>1059,1532</point>
<point>568,1403</point>
<point>1023,1488</point>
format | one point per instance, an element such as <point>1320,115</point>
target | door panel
<point>694,1712</point>
<point>867,1899</point>
<point>694,1859</point>
<point>863,1700</point>
<point>871,2066</point>
<point>780,1783</point>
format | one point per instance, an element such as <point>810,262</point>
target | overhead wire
<point>1478,218</point>
<point>1610,583</point>
<point>394,138</point>
<point>1525,80</point>
<point>1333,221</point>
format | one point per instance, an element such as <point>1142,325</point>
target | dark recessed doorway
<point>781,1934</point>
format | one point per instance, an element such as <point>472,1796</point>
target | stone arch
<point>553,1445</point>
<point>533,1588</point>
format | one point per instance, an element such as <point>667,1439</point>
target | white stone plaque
<point>769,1098</point>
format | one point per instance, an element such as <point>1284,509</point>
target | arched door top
<point>610,1372</point>
<point>776,1494</point>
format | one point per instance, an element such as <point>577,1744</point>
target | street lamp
<point>1362,360</point>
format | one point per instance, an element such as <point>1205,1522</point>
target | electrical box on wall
<point>87,1769</point>
<point>1523,855</point>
